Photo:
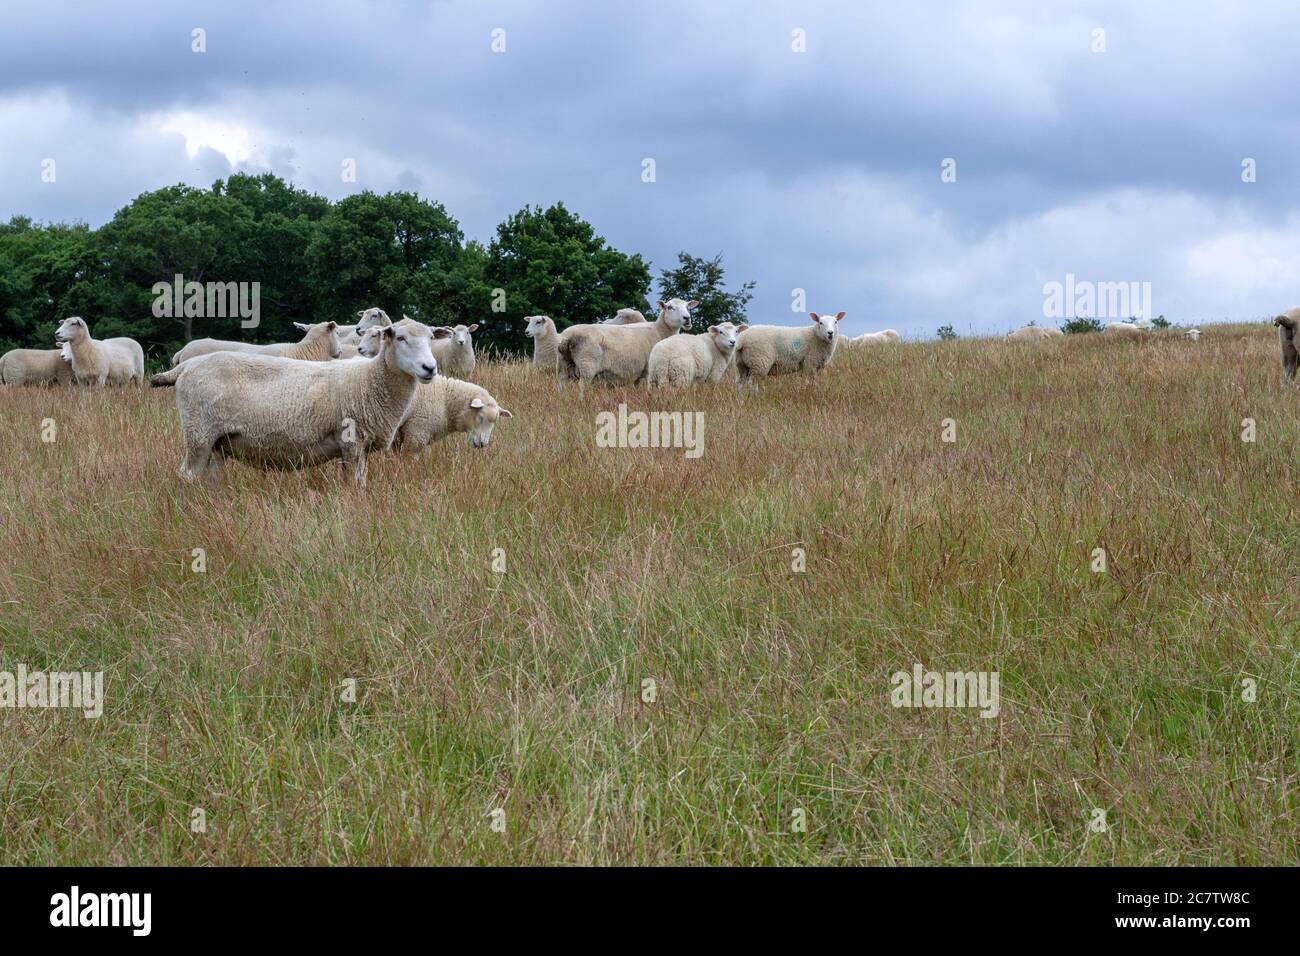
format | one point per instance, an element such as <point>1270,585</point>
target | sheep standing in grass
<point>366,319</point>
<point>883,337</point>
<point>279,413</point>
<point>1193,334</point>
<point>36,367</point>
<point>1286,326</point>
<point>682,360</point>
<point>765,350</point>
<point>1033,333</point>
<point>448,405</point>
<point>116,361</point>
<point>618,354</point>
<point>546,341</point>
<point>625,317</point>
<point>320,343</point>
<point>1124,330</point>
<point>455,355</point>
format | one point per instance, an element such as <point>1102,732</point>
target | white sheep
<point>618,354</point>
<point>366,319</point>
<point>1034,333</point>
<point>625,317</point>
<point>1193,334</point>
<point>366,344</point>
<point>777,350</point>
<point>682,360</point>
<point>885,336</point>
<point>117,361</point>
<point>279,413</point>
<point>455,355</point>
<point>1124,330</point>
<point>546,340</point>
<point>320,343</point>
<point>36,367</point>
<point>448,405</point>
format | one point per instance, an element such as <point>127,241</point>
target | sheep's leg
<point>354,458</point>
<point>196,461</point>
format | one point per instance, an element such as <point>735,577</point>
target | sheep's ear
<point>331,326</point>
<point>441,332</point>
<point>743,327</point>
<point>361,313</point>
<point>814,317</point>
<point>660,304</point>
<point>476,403</point>
<point>387,331</point>
<point>693,304</point>
<point>473,327</point>
<point>713,330</point>
<point>301,325</point>
<point>840,315</point>
<point>505,413</point>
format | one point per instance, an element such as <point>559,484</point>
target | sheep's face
<point>371,318</point>
<point>71,329</point>
<point>461,335</point>
<point>537,325</point>
<point>725,336</point>
<point>480,417</point>
<point>411,343</point>
<point>827,325</point>
<point>1193,333</point>
<point>65,353</point>
<point>371,342</point>
<point>676,313</point>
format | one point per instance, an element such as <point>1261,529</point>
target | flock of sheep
<point>345,391</point>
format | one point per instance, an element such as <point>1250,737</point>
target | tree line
<point>316,260</point>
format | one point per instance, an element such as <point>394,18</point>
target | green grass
<point>523,691</point>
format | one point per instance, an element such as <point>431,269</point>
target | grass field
<point>523,691</point>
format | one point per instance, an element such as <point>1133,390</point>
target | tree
<point>946,333</point>
<point>702,280</point>
<point>552,262</point>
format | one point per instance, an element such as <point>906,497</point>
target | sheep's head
<point>1193,333</point>
<point>322,330</point>
<point>479,417</point>
<point>676,313</point>
<point>1285,322</point>
<point>725,336</point>
<point>460,335</point>
<point>370,318</point>
<point>410,344</point>
<point>65,353</point>
<point>827,325</point>
<point>371,342</point>
<point>71,329</point>
<point>538,325</point>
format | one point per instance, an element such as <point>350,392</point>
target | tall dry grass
<point>1120,691</point>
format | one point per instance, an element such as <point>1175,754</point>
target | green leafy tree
<point>1078,326</point>
<point>703,280</point>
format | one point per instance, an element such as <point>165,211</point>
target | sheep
<point>1286,326</point>
<point>1035,333</point>
<point>1193,334</point>
<point>1126,329</point>
<point>366,319</point>
<point>886,336</point>
<point>365,346</point>
<point>320,343</point>
<point>116,361</point>
<point>777,350</point>
<point>682,360</point>
<point>455,355</point>
<point>36,367</point>
<point>618,354</point>
<point>625,317</point>
<point>279,413</point>
<point>541,329</point>
<point>448,405</point>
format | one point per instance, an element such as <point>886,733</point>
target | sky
<point>805,142</point>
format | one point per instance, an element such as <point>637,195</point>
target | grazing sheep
<point>618,354</point>
<point>777,350</point>
<point>625,317</point>
<point>320,343</point>
<point>366,319</point>
<point>1286,326</point>
<point>885,336</point>
<point>682,360</point>
<point>448,405</point>
<point>116,361</point>
<point>1124,329</point>
<point>278,413</point>
<point>1034,333</point>
<point>36,367</point>
<point>546,340</point>
<point>456,355</point>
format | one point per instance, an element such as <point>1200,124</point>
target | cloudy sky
<point>816,170</point>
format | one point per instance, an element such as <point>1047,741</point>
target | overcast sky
<point>816,170</point>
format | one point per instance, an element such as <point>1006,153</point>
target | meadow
<point>651,680</point>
